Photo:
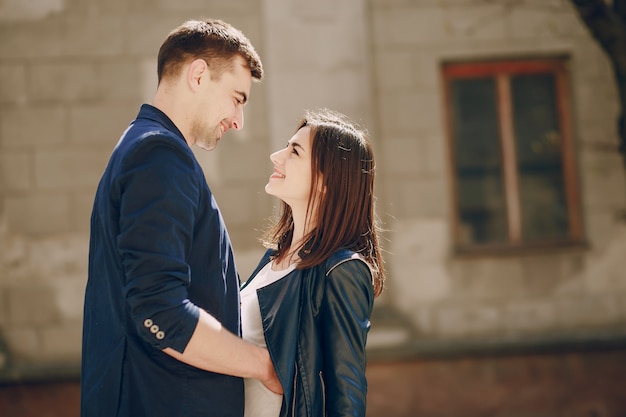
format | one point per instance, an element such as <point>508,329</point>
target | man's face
<point>221,104</point>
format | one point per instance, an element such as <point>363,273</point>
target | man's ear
<point>197,69</point>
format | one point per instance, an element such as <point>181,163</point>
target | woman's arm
<point>345,313</point>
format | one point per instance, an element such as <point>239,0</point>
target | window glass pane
<point>478,164</point>
<point>539,159</point>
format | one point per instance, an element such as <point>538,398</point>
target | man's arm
<point>156,230</point>
<point>215,349</point>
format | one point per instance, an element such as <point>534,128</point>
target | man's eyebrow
<point>243,95</point>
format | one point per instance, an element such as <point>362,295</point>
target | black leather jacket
<point>316,323</point>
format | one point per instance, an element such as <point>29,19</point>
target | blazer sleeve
<point>158,205</point>
<point>346,309</point>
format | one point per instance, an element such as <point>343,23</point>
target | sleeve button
<point>147,322</point>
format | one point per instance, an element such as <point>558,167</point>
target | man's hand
<point>271,380</point>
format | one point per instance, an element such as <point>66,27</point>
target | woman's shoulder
<point>348,276</point>
<point>340,257</point>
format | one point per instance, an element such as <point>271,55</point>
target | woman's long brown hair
<point>342,161</point>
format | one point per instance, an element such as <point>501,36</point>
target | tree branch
<point>619,7</point>
<point>607,27</point>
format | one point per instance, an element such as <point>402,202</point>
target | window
<point>512,159</point>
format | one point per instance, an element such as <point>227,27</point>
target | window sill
<point>503,250</point>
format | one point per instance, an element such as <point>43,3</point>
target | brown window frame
<point>501,70</point>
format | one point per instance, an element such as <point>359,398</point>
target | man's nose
<point>237,123</point>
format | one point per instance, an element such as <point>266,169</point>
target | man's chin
<point>208,146</point>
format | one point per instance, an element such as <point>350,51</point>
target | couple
<point>164,309</point>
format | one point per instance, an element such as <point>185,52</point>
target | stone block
<point>81,206</point>
<point>426,198</point>
<point>231,6</point>
<point>310,40</point>
<point>456,320</point>
<point>61,342</point>
<point>548,22</point>
<point>254,155</point>
<point>62,81</point>
<point>601,187</point>
<point>23,343</point>
<point>409,26</point>
<point>101,124</point>
<point>597,149</point>
<point>604,272</point>
<point>16,170</point>
<point>487,278</point>
<point>477,22</point>
<point>589,63</point>
<point>12,83</point>
<point>146,32</point>
<point>421,156</point>
<point>396,70</point>
<point>95,36</point>
<point>401,199</point>
<point>60,261</point>
<point>596,165</point>
<point>68,168</point>
<point>529,315</point>
<point>25,40</point>
<point>38,214</point>
<point>4,310</point>
<point>29,10</point>
<point>32,305</point>
<point>410,111</point>
<point>551,275</point>
<point>403,156</point>
<point>121,79</point>
<point>590,310</point>
<point>247,260</point>
<point>527,22</point>
<point>592,105</point>
<point>426,284</point>
<point>423,67</point>
<point>33,126</point>
<point>235,202</point>
<point>600,226</point>
<point>418,250</point>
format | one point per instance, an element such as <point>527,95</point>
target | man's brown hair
<point>213,40</point>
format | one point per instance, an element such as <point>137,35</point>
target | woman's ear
<point>321,188</point>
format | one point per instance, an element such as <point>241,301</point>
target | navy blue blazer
<point>159,251</point>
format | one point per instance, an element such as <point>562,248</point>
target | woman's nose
<point>275,158</point>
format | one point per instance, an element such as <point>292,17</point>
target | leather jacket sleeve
<point>345,311</point>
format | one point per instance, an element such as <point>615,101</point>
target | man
<point>161,318</point>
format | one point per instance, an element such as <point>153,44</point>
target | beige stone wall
<point>512,297</point>
<point>72,76</point>
<point>74,72</point>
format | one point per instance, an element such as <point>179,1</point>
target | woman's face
<point>291,179</point>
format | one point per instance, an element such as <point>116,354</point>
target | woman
<point>311,296</point>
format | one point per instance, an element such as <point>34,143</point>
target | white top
<point>260,401</point>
